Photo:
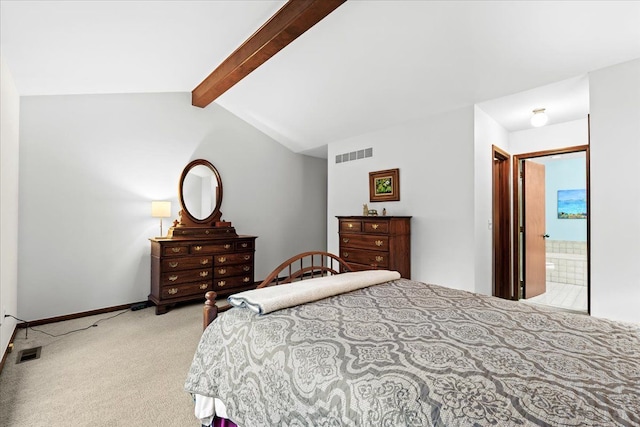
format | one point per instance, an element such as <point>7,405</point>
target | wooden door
<point>533,196</point>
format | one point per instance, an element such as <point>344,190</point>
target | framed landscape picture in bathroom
<point>572,204</point>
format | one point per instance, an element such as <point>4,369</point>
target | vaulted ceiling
<point>366,66</point>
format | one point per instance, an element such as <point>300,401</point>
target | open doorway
<point>551,213</point>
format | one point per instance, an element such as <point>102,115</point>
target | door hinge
<point>521,174</point>
<point>521,229</point>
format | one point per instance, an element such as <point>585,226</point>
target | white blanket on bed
<point>272,298</point>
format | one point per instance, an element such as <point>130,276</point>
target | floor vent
<point>29,354</point>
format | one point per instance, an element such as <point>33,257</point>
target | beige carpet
<point>127,371</point>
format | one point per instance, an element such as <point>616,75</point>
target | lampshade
<point>160,209</point>
<point>539,118</point>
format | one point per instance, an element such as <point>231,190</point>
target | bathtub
<point>567,268</point>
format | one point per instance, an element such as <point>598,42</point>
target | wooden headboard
<point>306,265</point>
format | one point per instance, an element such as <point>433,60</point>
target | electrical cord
<point>93,325</point>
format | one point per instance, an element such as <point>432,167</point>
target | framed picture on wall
<point>572,204</point>
<point>384,186</point>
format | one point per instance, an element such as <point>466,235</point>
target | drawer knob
<point>222,270</point>
<point>227,246</point>
<point>172,291</point>
<point>379,242</point>
<point>350,225</point>
<point>204,273</point>
<point>345,254</point>
<point>246,280</point>
<point>173,278</point>
<point>175,250</point>
<point>197,248</point>
<point>221,283</point>
<point>173,264</point>
<point>222,259</point>
<point>246,268</point>
<point>375,226</point>
<point>247,257</point>
<point>204,286</point>
<point>244,245</point>
<point>345,240</point>
<point>204,261</point>
<point>379,258</point>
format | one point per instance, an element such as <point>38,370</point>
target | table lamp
<point>161,209</point>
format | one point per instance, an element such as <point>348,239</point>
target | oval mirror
<point>200,191</point>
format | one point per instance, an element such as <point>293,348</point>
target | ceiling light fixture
<point>539,118</point>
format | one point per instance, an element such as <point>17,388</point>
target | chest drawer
<point>185,289</point>
<point>231,259</point>
<point>170,250</point>
<point>379,243</point>
<point>175,277</point>
<point>208,248</point>
<point>350,226</point>
<point>381,227</point>
<point>244,245</point>
<point>186,263</point>
<point>361,256</point>
<point>222,247</point>
<point>232,270</point>
<point>224,283</point>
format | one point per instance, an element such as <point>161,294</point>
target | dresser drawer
<point>376,227</point>
<point>230,259</point>
<point>232,282</point>
<point>361,256</point>
<point>186,263</point>
<point>184,289</point>
<point>232,270</point>
<point>243,246</point>
<point>347,225</point>
<point>175,277</point>
<point>170,250</point>
<point>379,243</point>
<point>209,248</point>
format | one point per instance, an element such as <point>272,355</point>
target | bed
<point>406,353</point>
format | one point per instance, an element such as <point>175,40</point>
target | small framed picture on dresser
<point>384,186</point>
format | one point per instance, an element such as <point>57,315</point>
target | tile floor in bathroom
<point>563,295</point>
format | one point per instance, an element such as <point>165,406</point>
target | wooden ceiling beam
<point>292,20</point>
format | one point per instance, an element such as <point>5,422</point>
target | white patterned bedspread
<point>405,353</point>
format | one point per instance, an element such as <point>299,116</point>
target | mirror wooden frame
<point>186,218</point>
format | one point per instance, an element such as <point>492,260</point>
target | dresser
<point>186,269</point>
<point>376,242</point>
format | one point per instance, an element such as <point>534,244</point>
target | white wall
<point>436,160</point>
<point>568,134</point>
<point>615,191</point>
<point>90,166</point>
<point>9,151</point>
<point>487,132</point>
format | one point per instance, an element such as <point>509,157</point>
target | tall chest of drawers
<point>186,269</point>
<point>376,242</point>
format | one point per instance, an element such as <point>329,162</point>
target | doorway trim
<point>517,158</point>
<point>501,224</point>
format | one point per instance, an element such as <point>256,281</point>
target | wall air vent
<point>354,155</point>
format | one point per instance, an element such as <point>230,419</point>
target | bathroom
<point>566,227</point>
